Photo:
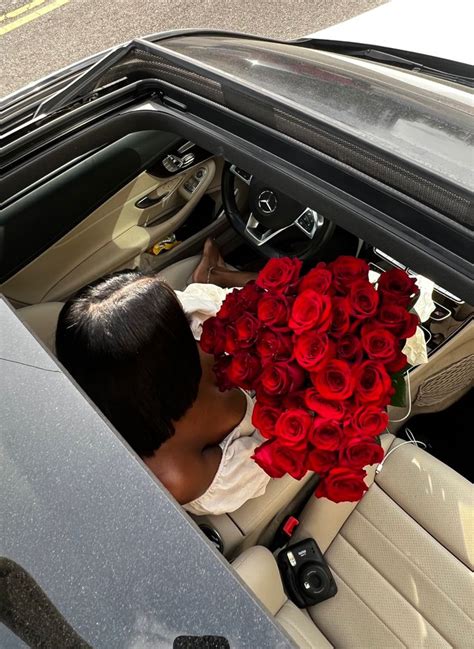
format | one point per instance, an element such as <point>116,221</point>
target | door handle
<point>147,201</point>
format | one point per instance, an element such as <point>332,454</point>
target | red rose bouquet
<point>322,354</point>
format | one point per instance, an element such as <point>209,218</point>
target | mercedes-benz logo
<point>267,201</point>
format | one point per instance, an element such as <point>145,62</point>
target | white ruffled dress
<point>238,477</point>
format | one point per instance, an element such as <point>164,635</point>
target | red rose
<point>363,300</point>
<point>264,456</point>
<point>326,409</point>
<point>326,435</point>
<point>396,286</point>
<point>340,317</point>
<point>221,368</point>
<point>367,421</point>
<point>213,336</point>
<point>267,399</point>
<point>349,349</point>
<point>281,378</point>
<point>279,275</point>
<point>231,306</point>
<point>276,460</point>
<point>231,345</point>
<point>292,428</point>
<point>294,400</point>
<point>379,344</point>
<point>274,346</point>
<point>310,310</point>
<point>398,364</point>
<point>373,383</point>
<point>246,330</point>
<point>346,271</point>
<point>243,369</point>
<point>342,484</point>
<point>359,452</point>
<point>334,381</point>
<point>318,279</point>
<point>312,350</point>
<point>398,320</point>
<point>321,461</point>
<point>250,296</point>
<point>264,418</point>
<point>273,310</point>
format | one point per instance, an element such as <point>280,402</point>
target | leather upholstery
<point>322,519</point>
<point>402,560</point>
<point>244,527</point>
<point>42,320</point>
<point>179,274</point>
<point>258,569</point>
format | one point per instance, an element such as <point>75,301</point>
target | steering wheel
<point>276,225</point>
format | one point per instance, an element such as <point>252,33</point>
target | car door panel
<point>112,236</point>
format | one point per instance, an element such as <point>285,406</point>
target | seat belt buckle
<point>289,526</point>
<point>284,532</point>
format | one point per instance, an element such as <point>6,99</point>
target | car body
<point>381,150</point>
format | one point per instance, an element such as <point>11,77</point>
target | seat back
<point>402,559</point>
<point>42,319</point>
<point>257,567</point>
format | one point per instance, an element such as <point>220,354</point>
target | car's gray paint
<point>82,515</point>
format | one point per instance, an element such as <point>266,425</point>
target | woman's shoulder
<point>187,477</point>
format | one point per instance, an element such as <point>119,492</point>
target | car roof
<point>83,517</point>
<point>441,29</point>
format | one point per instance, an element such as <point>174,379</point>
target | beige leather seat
<point>243,527</point>
<point>258,569</point>
<point>402,560</point>
<point>43,318</point>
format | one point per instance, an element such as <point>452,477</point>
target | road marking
<point>32,16</point>
<point>21,10</point>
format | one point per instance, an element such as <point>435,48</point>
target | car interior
<point>403,557</point>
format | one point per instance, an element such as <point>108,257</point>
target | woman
<point>128,341</point>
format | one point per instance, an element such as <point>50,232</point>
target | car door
<point>101,212</point>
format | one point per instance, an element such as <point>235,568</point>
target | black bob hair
<point>127,341</point>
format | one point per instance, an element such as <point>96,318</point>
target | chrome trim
<point>235,170</point>
<point>185,147</point>
<point>261,239</point>
<point>383,255</point>
<point>447,315</point>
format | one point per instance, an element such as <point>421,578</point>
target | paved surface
<point>41,36</point>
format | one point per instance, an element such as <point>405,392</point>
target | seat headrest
<point>258,568</point>
<point>42,319</point>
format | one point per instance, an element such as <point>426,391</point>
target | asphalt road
<point>41,36</point>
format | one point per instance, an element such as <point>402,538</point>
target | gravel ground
<point>82,27</point>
